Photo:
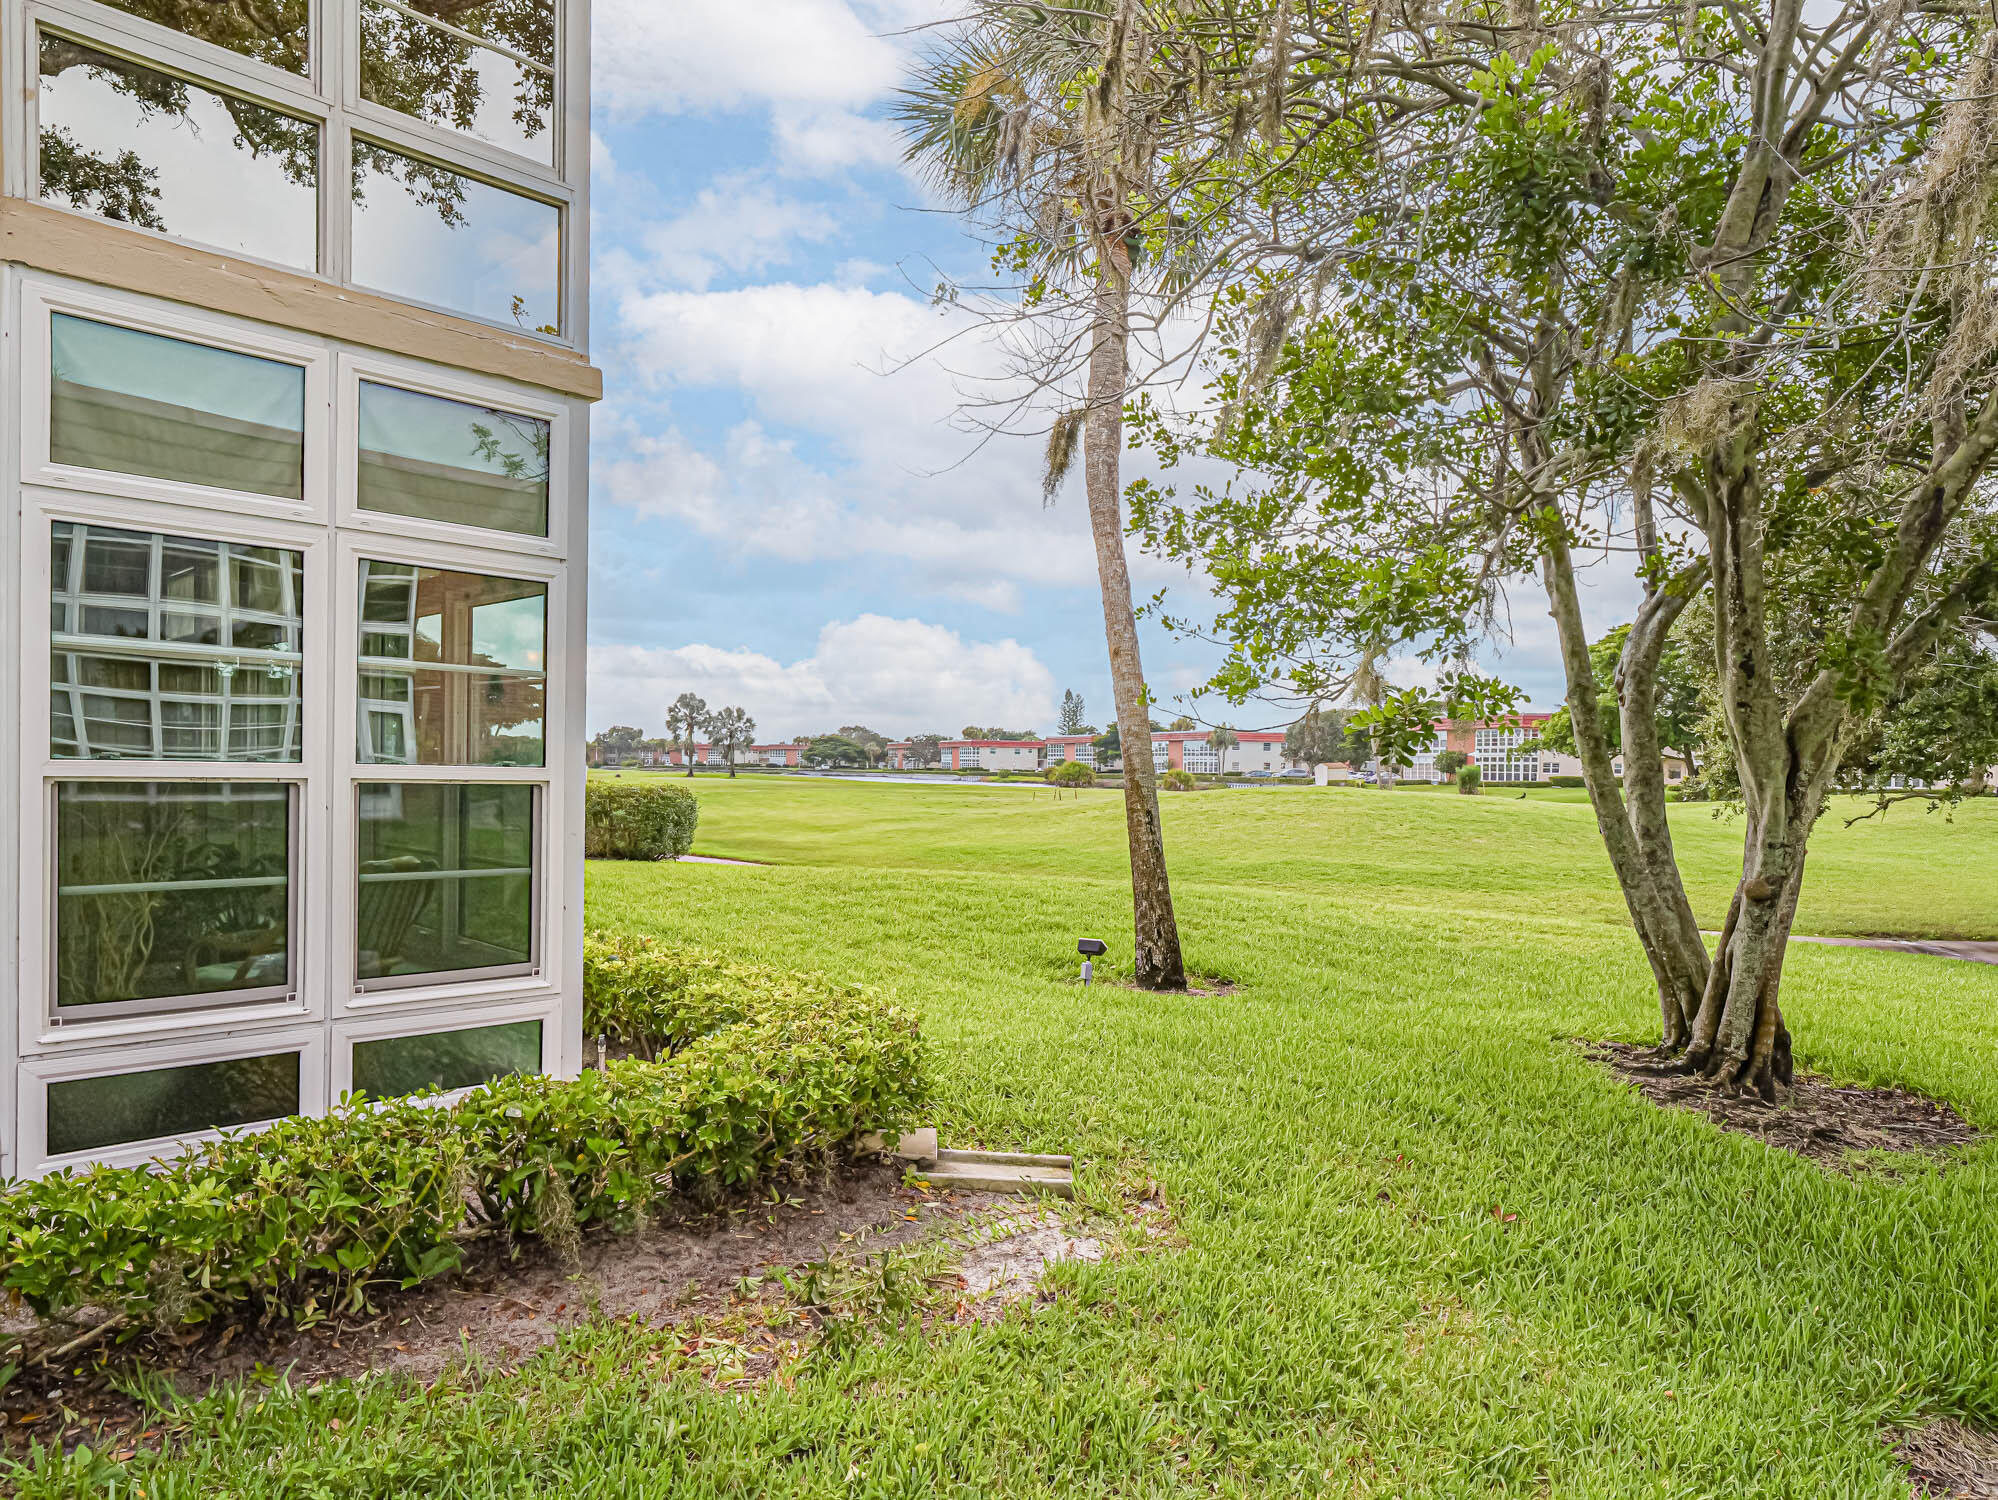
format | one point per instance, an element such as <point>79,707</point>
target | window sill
<point>72,1035</point>
<point>134,260</point>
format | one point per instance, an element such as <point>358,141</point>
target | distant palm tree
<point>733,732</point>
<point>686,721</point>
<point>1221,739</point>
<point>1047,119</point>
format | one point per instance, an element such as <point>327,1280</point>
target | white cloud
<point>736,223</point>
<point>833,140</point>
<point>653,57</point>
<point>897,676</point>
<point>856,447</point>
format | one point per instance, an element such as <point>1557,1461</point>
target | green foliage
<point>1470,781</point>
<point>833,750</point>
<point>1566,781</point>
<point>1072,773</point>
<point>1450,762</point>
<point>637,819</point>
<point>1177,780</point>
<point>310,1217</point>
<point>1069,721</point>
<point>1682,679</point>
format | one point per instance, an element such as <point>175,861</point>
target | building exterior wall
<point>297,802</point>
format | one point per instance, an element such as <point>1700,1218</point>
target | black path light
<point>1091,949</point>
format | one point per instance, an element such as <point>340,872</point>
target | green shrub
<point>1178,781</point>
<point>1566,781</point>
<point>637,819</point>
<point>308,1217</point>
<point>1470,780</point>
<point>1072,773</point>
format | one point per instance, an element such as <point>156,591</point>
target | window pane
<point>442,460</point>
<point>87,1114</point>
<point>433,235</point>
<point>446,879</point>
<point>167,889</point>
<point>453,667</point>
<point>146,148</point>
<point>401,1065</point>
<point>134,676</point>
<point>140,403</point>
<point>277,32</point>
<point>504,93</point>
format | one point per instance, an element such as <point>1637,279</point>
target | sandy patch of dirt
<point>1950,1461</point>
<point>1823,1121</point>
<point>501,1311</point>
<point>1008,1258</point>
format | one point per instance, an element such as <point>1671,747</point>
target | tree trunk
<point>1155,954</point>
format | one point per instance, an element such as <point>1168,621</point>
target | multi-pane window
<point>158,151</point>
<point>447,880</point>
<point>132,402</point>
<point>427,233</point>
<point>87,1114</point>
<point>453,187</point>
<point>435,459</point>
<point>399,1065</point>
<point>485,69</point>
<point>173,647</point>
<point>453,667</point>
<point>171,893</point>
<point>277,33</point>
<point>1498,756</point>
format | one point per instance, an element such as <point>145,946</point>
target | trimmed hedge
<point>637,819</point>
<point>1072,773</point>
<point>1569,781</point>
<point>307,1217</point>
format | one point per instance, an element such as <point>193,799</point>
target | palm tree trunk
<point>1155,954</point>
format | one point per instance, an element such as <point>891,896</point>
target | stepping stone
<point>1001,1172</point>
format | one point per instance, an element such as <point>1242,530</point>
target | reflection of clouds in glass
<point>474,247</point>
<point>511,633</point>
<point>206,183</point>
<point>434,429</point>
<point>174,372</point>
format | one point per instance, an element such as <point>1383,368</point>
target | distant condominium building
<point>990,755</point>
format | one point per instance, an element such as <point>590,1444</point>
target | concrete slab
<point>992,1172</point>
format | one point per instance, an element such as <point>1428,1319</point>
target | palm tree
<point>685,722</point>
<point>734,731</point>
<point>1051,122</point>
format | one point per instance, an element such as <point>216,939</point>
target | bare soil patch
<point>1823,1121</point>
<point>499,1310</point>
<point>1950,1461</point>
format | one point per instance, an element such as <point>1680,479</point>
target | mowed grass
<point>1424,1248</point>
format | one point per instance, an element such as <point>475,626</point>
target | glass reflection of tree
<point>424,71</point>
<point>406,66</point>
<point>121,185</point>
<point>497,442</point>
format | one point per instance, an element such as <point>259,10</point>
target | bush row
<point>637,819</point>
<point>309,1217</point>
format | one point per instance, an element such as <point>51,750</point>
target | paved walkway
<point>1977,953</point>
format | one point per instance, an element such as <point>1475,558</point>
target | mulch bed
<point>1823,1121</point>
<point>1950,1461</point>
<point>498,1310</point>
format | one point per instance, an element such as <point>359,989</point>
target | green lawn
<point>1353,1308</point>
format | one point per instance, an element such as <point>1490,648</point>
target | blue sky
<point>787,512</point>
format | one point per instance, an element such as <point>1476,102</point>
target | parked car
<point>1295,773</point>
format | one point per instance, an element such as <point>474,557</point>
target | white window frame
<point>428,380</point>
<point>39,1026</point>
<point>323,1006</point>
<point>376,1028</point>
<point>541,975</point>
<point>39,1072</point>
<point>41,300</point>
<point>328,93</point>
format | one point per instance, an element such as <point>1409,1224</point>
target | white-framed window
<point>416,148</point>
<point>300,767</point>
<point>1498,757</point>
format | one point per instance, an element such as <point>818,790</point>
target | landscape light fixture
<point>1091,949</point>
